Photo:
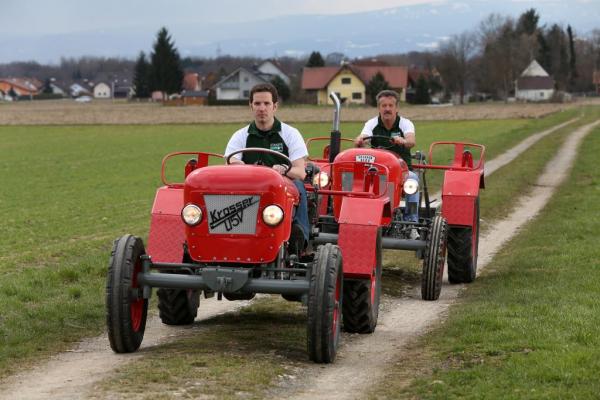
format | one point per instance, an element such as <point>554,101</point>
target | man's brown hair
<point>264,87</point>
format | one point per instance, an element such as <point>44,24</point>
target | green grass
<point>69,191</point>
<point>527,328</point>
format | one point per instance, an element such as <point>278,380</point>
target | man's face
<point>263,107</point>
<point>387,109</point>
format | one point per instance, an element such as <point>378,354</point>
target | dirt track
<point>362,358</point>
<point>68,112</point>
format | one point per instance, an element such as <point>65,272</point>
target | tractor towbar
<point>386,242</point>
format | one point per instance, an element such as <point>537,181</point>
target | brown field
<point>68,112</point>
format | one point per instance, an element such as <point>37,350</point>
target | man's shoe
<point>414,234</point>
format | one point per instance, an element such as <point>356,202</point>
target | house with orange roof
<point>21,86</point>
<point>350,82</point>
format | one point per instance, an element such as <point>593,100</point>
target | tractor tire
<point>178,306</point>
<point>325,304</point>
<point>126,310</point>
<point>362,297</point>
<point>435,258</point>
<point>463,246</point>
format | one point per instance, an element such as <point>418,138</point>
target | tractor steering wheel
<point>368,138</point>
<point>286,162</point>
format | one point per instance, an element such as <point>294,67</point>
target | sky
<point>45,31</point>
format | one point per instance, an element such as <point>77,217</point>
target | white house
<point>534,84</point>
<point>237,85</point>
<point>272,68</point>
<point>102,91</point>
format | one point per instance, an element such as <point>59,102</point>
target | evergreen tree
<point>376,85</point>
<point>528,22</point>
<point>141,77</point>
<point>422,91</point>
<point>572,59</point>
<point>12,93</point>
<point>166,74</point>
<point>282,88</point>
<point>47,86</point>
<point>315,60</point>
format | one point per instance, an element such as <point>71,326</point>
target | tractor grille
<point>232,214</point>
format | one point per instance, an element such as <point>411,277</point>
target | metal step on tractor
<point>358,202</point>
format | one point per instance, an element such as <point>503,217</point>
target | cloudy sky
<point>47,30</point>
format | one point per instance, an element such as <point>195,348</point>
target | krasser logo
<point>231,216</point>
<point>366,158</point>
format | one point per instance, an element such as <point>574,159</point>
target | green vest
<point>271,140</point>
<point>380,130</point>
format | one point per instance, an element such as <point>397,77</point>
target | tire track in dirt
<point>362,361</point>
<point>71,375</point>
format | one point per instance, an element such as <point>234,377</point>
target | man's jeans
<point>411,206</point>
<point>301,214</point>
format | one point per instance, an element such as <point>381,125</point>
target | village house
<point>534,84</point>
<point>237,85</point>
<point>350,82</point>
<point>20,86</point>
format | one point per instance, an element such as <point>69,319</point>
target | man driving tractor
<point>391,131</point>
<point>268,132</point>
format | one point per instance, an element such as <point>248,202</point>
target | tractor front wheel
<point>362,297</point>
<point>463,246</point>
<point>325,304</point>
<point>435,258</point>
<point>126,309</point>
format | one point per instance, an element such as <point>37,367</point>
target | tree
<point>282,88</point>
<point>455,62</point>
<point>166,74</point>
<point>315,60</point>
<point>141,77</point>
<point>422,91</point>
<point>47,89</point>
<point>376,85</point>
<point>572,59</point>
<point>528,22</point>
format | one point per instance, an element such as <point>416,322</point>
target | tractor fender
<point>459,192</point>
<point>167,230</point>
<point>359,221</point>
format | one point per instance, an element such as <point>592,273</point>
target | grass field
<point>68,191</point>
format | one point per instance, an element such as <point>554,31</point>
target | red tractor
<point>358,194</point>
<point>225,230</point>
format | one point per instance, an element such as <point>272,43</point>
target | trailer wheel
<point>325,304</point>
<point>463,246</point>
<point>126,310</point>
<point>435,258</point>
<point>178,306</point>
<point>361,298</point>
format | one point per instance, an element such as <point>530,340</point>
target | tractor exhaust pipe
<point>334,144</point>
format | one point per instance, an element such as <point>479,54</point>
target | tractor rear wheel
<point>435,258</point>
<point>362,297</point>
<point>126,309</point>
<point>178,306</point>
<point>463,246</point>
<point>325,304</point>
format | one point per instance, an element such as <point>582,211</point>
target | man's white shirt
<point>290,135</point>
<point>405,125</point>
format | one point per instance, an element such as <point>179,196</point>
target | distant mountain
<point>396,30</point>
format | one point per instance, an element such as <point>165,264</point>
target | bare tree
<point>454,65</point>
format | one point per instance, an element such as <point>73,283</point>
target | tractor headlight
<point>272,215</point>
<point>321,180</point>
<point>191,214</point>
<point>411,186</point>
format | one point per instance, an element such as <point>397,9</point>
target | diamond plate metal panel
<point>232,214</point>
<point>458,210</point>
<point>357,243</point>
<point>167,235</point>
